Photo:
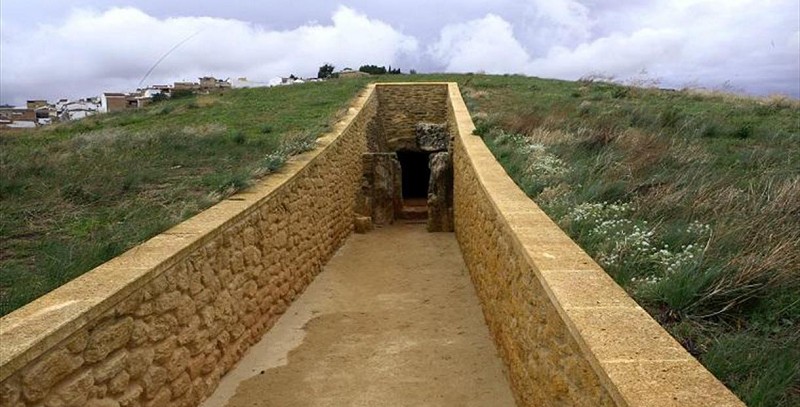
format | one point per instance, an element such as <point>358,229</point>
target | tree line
<point>327,70</point>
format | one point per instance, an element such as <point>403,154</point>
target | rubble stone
<point>363,224</point>
<point>440,193</point>
<point>432,137</point>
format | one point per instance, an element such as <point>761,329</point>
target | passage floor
<point>393,320</point>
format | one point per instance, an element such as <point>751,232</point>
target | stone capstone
<point>432,137</point>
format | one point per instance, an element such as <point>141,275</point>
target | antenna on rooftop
<point>171,50</point>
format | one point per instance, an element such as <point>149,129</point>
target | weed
<point>764,371</point>
<point>482,127</point>
<point>744,131</point>
<point>598,136</point>
<point>620,92</point>
<point>274,161</point>
<point>710,130</point>
<point>238,137</point>
<point>525,123</point>
<point>670,117</point>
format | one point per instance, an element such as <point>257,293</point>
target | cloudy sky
<point>79,48</point>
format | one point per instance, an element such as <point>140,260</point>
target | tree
<point>373,69</point>
<point>379,70</point>
<point>325,71</point>
<point>159,97</point>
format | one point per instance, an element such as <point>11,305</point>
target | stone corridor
<point>393,320</point>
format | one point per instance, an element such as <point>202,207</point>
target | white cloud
<point>487,44</point>
<point>618,55</point>
<point>95,51</point>
<point>549,23</point>
<point>751,44</point>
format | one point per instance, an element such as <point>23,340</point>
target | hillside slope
<point>77,194</point>
<point>691,201</point>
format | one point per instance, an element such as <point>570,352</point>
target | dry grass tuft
<point>598,136</point>
<point>473,93</point>
<point>205,129</point>
<point>524,123</point>
<point>207,100</point>
<point>777,101</point>
<point>544,136</point>
<point>641,150</point>
<point>781,102</point>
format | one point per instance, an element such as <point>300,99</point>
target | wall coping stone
<point>31,330</point>
<point>636,360</point>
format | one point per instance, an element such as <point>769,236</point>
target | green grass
<point>711,182</point>
<point>74,195</point>
<point>690,201</point>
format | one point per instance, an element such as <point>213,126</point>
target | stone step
<point>414,213</point>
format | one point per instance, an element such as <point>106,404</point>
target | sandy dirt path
<point>393,320</point>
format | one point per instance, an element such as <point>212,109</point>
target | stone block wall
<point>161,324</point>
<point>403,106</point>
<point>568,334</point>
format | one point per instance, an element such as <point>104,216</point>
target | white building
<point>239,83</point>
<point>112,102</point>
<point>20,124</point>
<point>77,109</point>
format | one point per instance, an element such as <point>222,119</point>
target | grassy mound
<point>74,195</point>
<point>690,201</point>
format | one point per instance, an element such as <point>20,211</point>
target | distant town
<point>41,112</point>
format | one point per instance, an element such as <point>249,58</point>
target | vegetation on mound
<point>690,201</point>
<point>74,195</point>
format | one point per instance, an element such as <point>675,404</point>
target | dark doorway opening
<point>416,174</point>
